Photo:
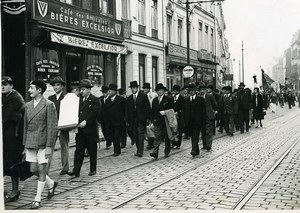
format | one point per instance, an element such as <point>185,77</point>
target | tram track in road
<point>152,161</point>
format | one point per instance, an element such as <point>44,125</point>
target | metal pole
<point>243,62</point>
<point>240,75</point>
<point>187,32</point>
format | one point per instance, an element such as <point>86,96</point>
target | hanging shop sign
<point>69,16</point>
<point>47,66</point>
<point>188,72</point>
<point>87,44</point>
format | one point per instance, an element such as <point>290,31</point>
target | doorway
<point>73,61</point>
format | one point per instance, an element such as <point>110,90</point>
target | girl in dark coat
<point>258,107</point>
<point>12,121</point>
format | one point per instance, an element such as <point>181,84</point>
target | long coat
<point>244,100</point>
<point>210,106</point>
<point>258,106</point>
<point>156,118</point>
<point>116,111</point>
<point>103,115</point>
<point>139,110</point>
<point>178,107</point>
<point>229,104</point>
<point>40,125</point>
<point>88,111</point>
<point>194,111</point>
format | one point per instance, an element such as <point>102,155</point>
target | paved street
<point>216,180</point>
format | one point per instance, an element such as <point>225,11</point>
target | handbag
<point>21,170</point>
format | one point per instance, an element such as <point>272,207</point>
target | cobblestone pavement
<point>218,180</point>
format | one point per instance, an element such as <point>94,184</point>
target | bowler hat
<point>242,84</point>
<point>121,91</point>
<point>39,83</point>
<point>176,88</point>
<point>86,83</point>
<point>113,87</point>
<point>104,89</point>
<point>191,86</point>
<point>228,88</point>
<point>146,86</point>
<point>210,87</point>
<point>58,79</point>
<point>160,86</point>
<point>7,79</point>
<point>134,84</point>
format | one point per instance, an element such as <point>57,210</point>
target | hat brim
<point>87,86</point>
<point>58,82</point>
<point>161,88</point>
<point>134,86</point>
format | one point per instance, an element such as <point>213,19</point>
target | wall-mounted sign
<point>228,77</point>
<point>87,44</point>
<point>188,72</point>
<point>47,66</point>
<point>69,16</point>
<point>204,55</point>
<point>180,51</point>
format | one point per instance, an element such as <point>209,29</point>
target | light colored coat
<point>40,125</point>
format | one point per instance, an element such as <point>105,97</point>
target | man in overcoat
<point>58,84</point>
<point>194,117</point>
<point>40,133</point>
<point>244,105</point>
<point>116,117</point>
<point>137,116</point>
<point>86,138</point>
<point>228,110</point>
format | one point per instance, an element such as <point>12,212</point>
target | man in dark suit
<point>194,117</point>
<point>123,140</point>
<point>116,117</point>
<point>211,111</point>
<point>58,85</point>
<point>103,116</point>
<point>160,104</point>
<point>89,107</point>
<point>137,116</point>
<point>244,105</point>
<point>228,110</point>
<point>177,104</point>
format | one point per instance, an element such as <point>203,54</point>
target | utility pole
<point>187,32</point>
<point>243,70</point>
<point>240,74</point>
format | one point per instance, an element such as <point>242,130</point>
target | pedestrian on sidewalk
<point>194,117</point>
<point>228,109</point>
<point>160,104</point>
<point>13,107</point>
<point>89,107</point>
<point>137,116</point>
<point>116,117</point>
<point>40,134</point>
<point>123,140</point>
<point>257,107</point>
<point>273,101</point>
<point>244,103</point>
<point>58,85</point>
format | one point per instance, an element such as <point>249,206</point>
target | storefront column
<point>135,66</point>
<point>161,71</point>
<point>149,68</point>
<point>118,66</point>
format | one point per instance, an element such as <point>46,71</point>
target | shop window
<point>46,64</point>
<point>154,70</point>
<point>94,68</point>
<point>142,69</point>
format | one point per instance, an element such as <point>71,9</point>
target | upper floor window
<point>142,12</point>
<point>154,14</point>
<point>212,40</point>
<point>200,35</point>
<point>169,27</point>
<point>125,7</point>
<point>179,32</point>
<point>106,6</point>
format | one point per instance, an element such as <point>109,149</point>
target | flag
<point>266,81</point>
<point>282,87</point>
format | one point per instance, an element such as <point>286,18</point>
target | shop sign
<point>188,72</point>
<point>228,77</point>
<point>87,44</point>
<point>69,16</point>
<point>204,55</point>
<point>180,51</point>
<point>94,70</point>
<point>47,66</point>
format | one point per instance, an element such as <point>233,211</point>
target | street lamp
<point>187,3</point>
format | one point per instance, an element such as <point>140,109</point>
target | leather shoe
<point>138,155</point>
<point>52,191</point>
<point>154,155</point>
<point>203,147</point>
<point>73,173</point>
<point>193,153</point>
<point>63,172</point>
<point>92,173</point>
<point>115,154</point>
<point>166,156</point>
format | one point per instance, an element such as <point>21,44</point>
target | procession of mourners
<point>150,117</point>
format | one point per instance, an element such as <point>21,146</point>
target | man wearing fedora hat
<point>116,117</point>
<point>103,118</point>
<point>89,107</point>
<point>244,106</point>
<point>177,104</point>
<point>151,95</point>
<point>160,104</point>
<point>58,84</point>
<point>194,117</point>
<point>228,110</point>
<point>137,115</point>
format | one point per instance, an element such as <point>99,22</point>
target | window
<point>212,40</point>
<point>179,32</point>
<point>206,38</point>
<point>106,6</point>
<point>169,28</point>
<point>87,4</point>
<point>154,14</point>
<point>200,36</point>
<point>142,12</point>
<point>125,6</point>
<point>154,70</point>
<point>67,1</point>
<point>142,69</point>
<point>94,67</point>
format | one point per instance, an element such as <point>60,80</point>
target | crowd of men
<point>158,117</point>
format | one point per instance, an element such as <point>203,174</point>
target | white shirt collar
<point>36,102</point>
<point>136,94</point>
<point>113,98</point>
<point>176,97</point>
<point>58,95</point>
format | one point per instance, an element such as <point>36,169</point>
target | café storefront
<point>71,42</point>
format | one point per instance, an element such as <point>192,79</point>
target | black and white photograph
<point>146,105</point>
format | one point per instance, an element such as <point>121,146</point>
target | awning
<point>87,43</point>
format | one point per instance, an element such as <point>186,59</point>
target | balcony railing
<point>154,33</point>
<point>142,29</point>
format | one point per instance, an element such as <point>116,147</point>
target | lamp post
<point>187,4</point>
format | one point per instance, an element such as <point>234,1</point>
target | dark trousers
<point>178,144</point>
<point>208,136</point>
<point>244,119</point>
<point>195,135</point>
<point>236,121</point>
<point>150,142</point>
<point>138,131</point>
<point>106,133</point>
<point>229,123</point>
<point>123,138</point>
<point>83,141</point>
<point>161,134</point>
<point>116,132</point>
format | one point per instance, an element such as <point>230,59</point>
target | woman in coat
<point>12,114</point>
<point>258,107</point>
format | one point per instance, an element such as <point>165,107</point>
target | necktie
<point>160,99</point>
<point>134,98</point>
